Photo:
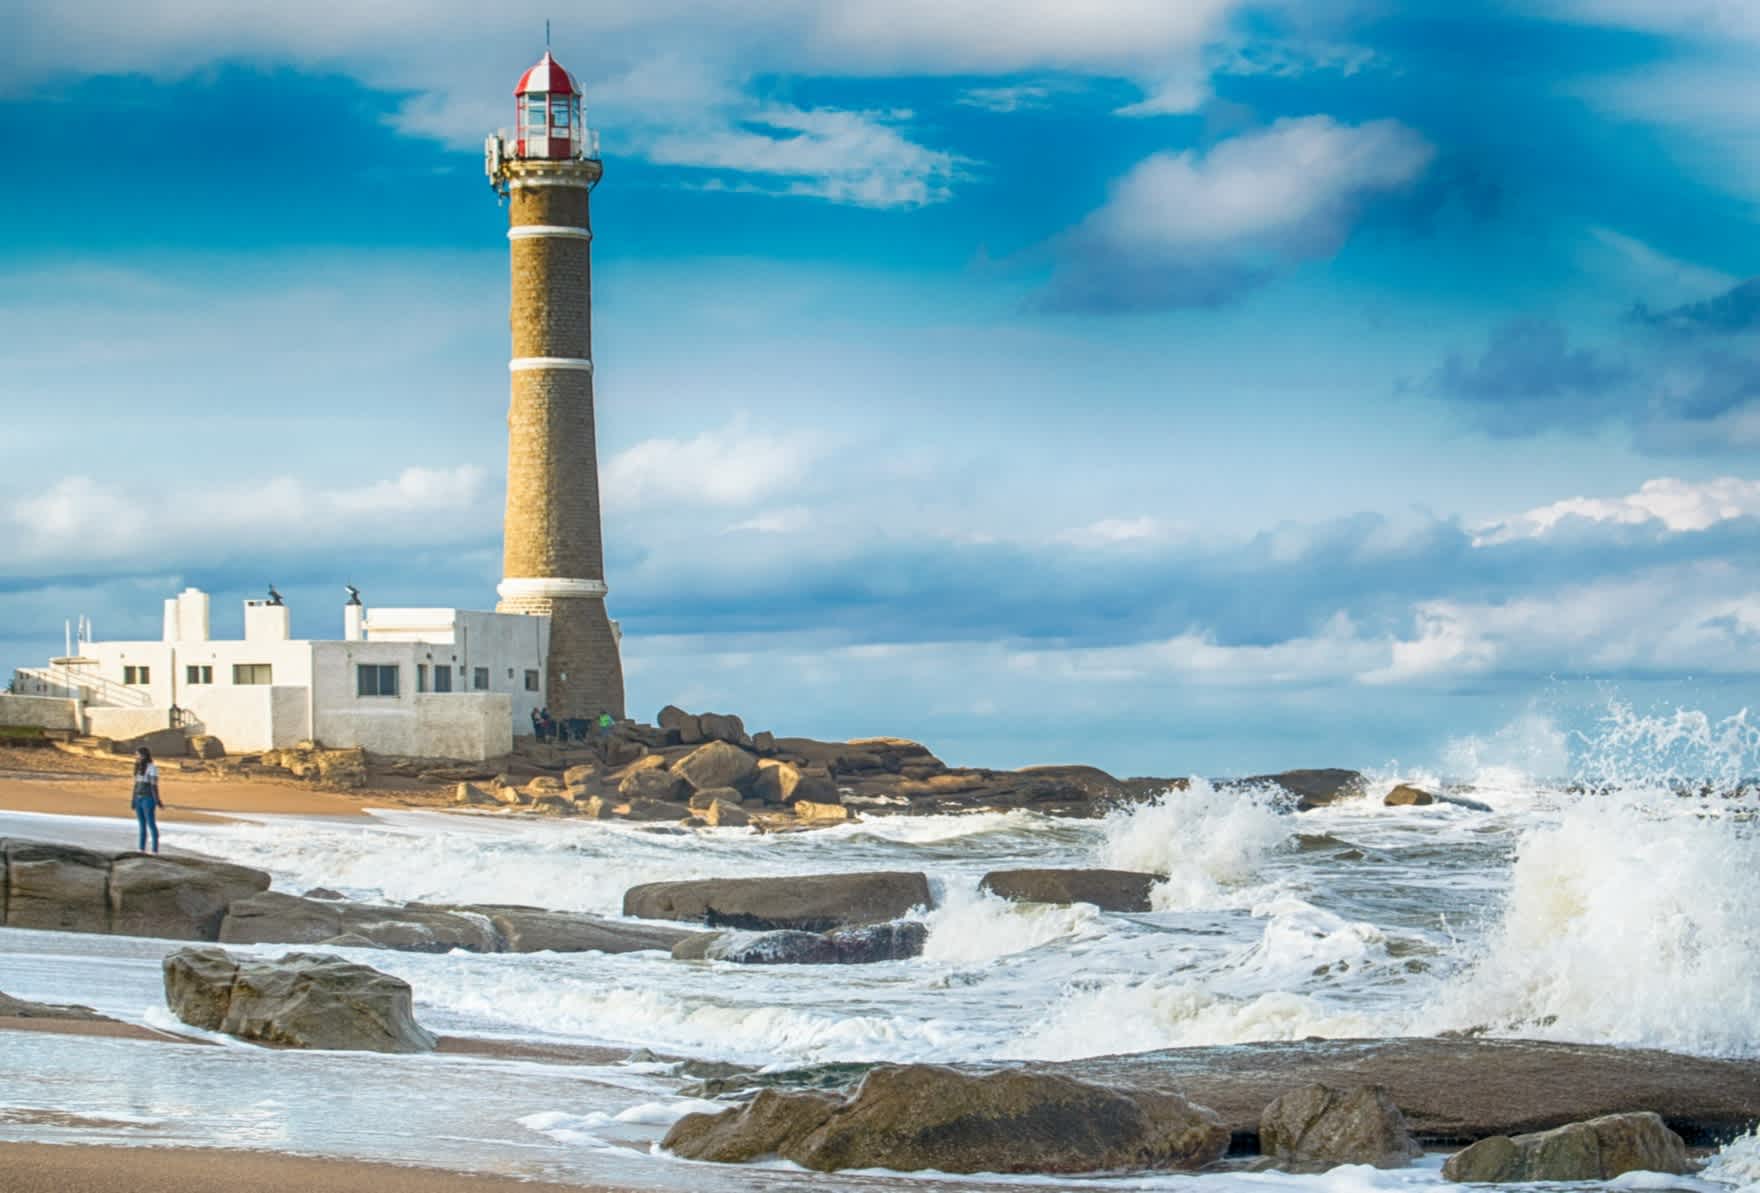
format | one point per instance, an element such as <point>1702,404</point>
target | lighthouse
<point>553,562</point>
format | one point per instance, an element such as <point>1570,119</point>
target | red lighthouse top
<point>550,124</point>
<point>547,76</point>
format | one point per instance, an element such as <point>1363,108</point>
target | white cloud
<point>1293,187</point>
<point>729,466</point>
<point>1675,505</point>
<point>792,520</point>
<point>1113,531</point>
<point>847,157</point>
<point>1007,99</point>
<point>81,522</point>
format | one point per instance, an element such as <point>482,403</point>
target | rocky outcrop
<point>1454,1090</point>
<point>915,1117</point>
<point>650,783</point>
<point>470,795</point>
<point>302,1000</point>
<point>722,814</point>
<point>807,903</point>
<point>845,946</point>
<point>1109,890</point>
<point>1318,1127</point>
<point>1597,1150</point>
<point>176,898</point>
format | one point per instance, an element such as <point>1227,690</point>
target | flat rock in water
<point>301,1000</point>
<point>1109,890</point>
<point>55,887</point>
<point>20,1008</point>
<point>1454,1090</point>
<point>915,1117</point>
<point>806,903</point>
<point>533,930</point>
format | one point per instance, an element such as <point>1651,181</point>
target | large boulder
<point>276,918</point>
<point>715,764</point>
<point>1318,1127</point>
<point>55,887</point>
<point>722,727</point>
<point>1109,890</point>
<point>808,903</point>
<point>301,1000</point>
<point>649,783</point>
<point>176,898</point>
<point>206,746</point>
<point>722,814</point>
<point>915,1117</point>
<point>1408,796</point>
<point>1597,1150</point>
<point>676,721</point>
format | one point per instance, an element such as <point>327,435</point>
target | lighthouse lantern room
<point>549,113</point>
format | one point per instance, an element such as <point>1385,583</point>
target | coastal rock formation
<point>914,1117</point>
<point>1454,1090</point>
<point>302,1000</point>
<point>1109,890</point>
<point>844,946</point>
<point>807,903</point>
<point>722,814</point>
<point>176,898</point>
<point>276,918</point>
<point>1597,1150</point>
<point>651,783</point>
<point>1318,1127</point>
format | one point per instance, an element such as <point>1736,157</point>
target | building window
<point>252,673</point>
<point>137,675</point>
<point>531,681</point>
<point>197,673</point>
<point>421,677</point>
<point>480,679</point>
<point>443,678</point>
<point>375,679</point>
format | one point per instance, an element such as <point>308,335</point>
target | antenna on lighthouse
<point>546,34</point>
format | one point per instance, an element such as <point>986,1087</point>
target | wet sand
<point>51,1168</point>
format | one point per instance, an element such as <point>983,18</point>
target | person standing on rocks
<point>146,796</point>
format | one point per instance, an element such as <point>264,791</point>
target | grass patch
<point>23,735</point>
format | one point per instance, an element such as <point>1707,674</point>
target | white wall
<point>120,724</point>
<point>50,712</point>
<point>250,717</point>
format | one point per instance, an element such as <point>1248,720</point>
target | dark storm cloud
<point>1530,379</point>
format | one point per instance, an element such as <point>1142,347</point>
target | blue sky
<point>1209,387</point>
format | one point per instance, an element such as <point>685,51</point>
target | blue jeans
<point>145,808</point>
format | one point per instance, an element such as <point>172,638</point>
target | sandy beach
<point>49,781</point>
<point>51,1168</point>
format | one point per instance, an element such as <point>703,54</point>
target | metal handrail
<point>78,685</point>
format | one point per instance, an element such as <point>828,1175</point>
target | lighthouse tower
<point>553,558</point>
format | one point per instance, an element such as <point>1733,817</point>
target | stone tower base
<point>585,671</point>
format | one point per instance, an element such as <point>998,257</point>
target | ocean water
<point>1595,902</point>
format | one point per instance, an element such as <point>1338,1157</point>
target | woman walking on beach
<point>146,796</point>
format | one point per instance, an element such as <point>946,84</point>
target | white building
<point>434,683</point>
